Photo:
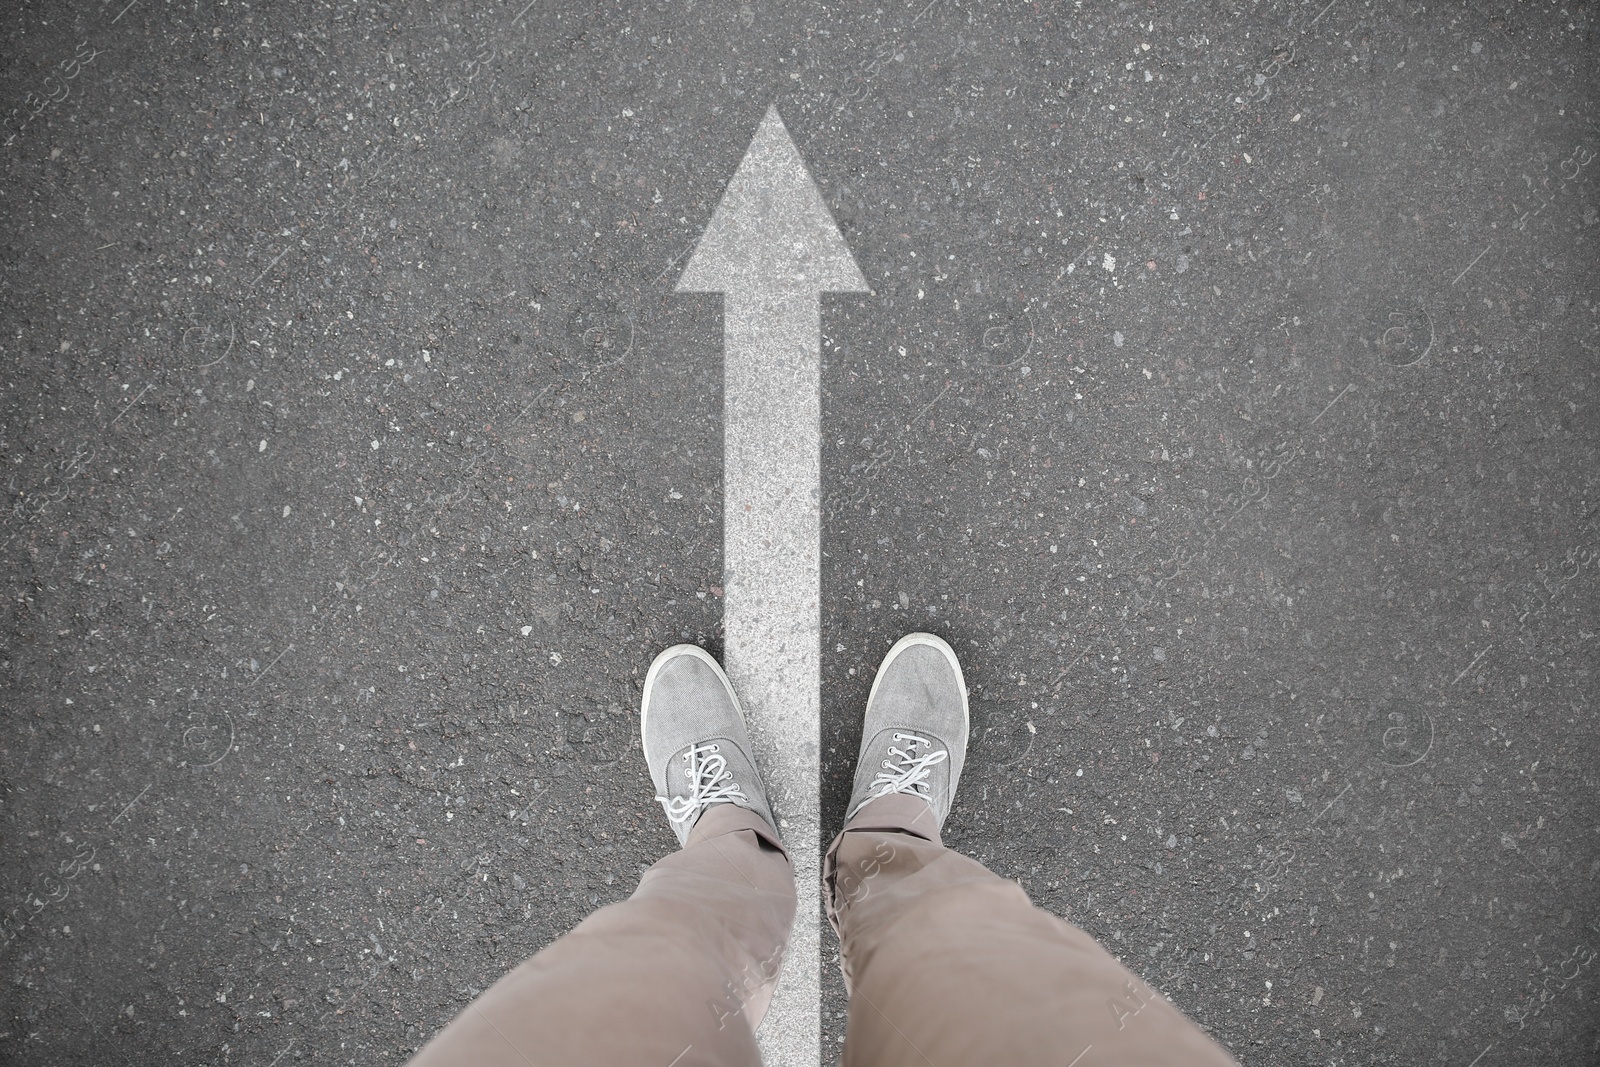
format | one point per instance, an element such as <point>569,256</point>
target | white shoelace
<point>709,783</point>
<point>910,775</point>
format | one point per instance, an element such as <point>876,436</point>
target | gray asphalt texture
<point>1226,397</point>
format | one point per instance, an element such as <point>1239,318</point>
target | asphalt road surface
<point>1226,395</point>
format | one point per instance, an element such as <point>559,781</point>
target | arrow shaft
<point>772,540</point>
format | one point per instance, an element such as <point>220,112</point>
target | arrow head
<point>772,233</point>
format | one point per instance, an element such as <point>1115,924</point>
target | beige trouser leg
<point>949,965</point>
<point>678,974</point>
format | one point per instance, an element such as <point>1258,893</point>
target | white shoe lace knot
<point>710,782</point>
<point>908,772</point>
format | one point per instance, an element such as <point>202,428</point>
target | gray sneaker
<point>915,737</point>
<point>695,740</point>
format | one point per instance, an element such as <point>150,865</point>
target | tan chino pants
<point>678,974</point>
<point>948,965</point>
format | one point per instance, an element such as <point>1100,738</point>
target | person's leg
<point>678,966</point>
<point>681,972</point>
<point>947,963</point>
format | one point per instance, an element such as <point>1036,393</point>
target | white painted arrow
<point>772,248</point>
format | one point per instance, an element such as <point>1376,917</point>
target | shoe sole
<point>668,656</point>
<point>950,657</point>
